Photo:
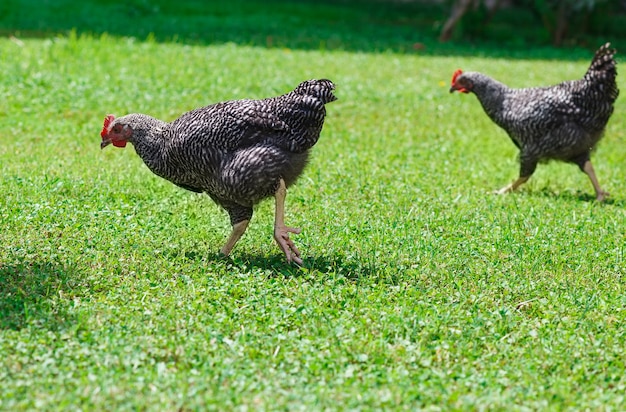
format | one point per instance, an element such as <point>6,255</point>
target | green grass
<point>420,289</point>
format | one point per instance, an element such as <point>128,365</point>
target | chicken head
<point>112,133</point>
<point>459,83</point>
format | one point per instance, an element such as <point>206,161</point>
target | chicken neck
<point>492,95</point>
<point>150,143</point>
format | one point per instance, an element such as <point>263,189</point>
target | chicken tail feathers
<point>603,70</point>
<point>322,89</point>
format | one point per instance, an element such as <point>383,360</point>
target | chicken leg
<point>238,230</point>
<point>588,169</point>
<point>528,164</point>
<point>281,232</point>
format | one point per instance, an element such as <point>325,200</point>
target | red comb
<point>107,123</point>
<point>456,74</point>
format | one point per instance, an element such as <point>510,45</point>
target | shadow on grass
<point>34,294</point>
<point>349,268</point>
<point>579,196</point>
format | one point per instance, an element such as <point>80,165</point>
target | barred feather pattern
<point>235,151</point>
<point>561,122</point>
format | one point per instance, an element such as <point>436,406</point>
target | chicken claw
<point>601,197</point>
<point>281,235</point>
<point>506,189</point>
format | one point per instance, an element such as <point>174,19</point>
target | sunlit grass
<point>420,289</point>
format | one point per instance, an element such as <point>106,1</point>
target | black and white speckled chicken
<point>238,152</point>
<point>562,122</point>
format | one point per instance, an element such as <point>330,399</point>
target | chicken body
<point>562,122</point>
<point>239,152</point>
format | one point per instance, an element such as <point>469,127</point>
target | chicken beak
<point>105,143</point>
<point>458,89</point>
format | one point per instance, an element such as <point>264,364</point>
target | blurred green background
<point>511,27</point>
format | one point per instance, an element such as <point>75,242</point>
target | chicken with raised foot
<point>562,122</point>
<point>239,152</point>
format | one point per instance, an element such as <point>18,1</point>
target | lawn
<point>420,288</point>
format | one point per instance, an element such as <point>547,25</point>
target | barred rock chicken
<point>562,122</point>
<point>238,152</point>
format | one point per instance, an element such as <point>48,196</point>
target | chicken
<point>562,122</point>
<point>239,152</point>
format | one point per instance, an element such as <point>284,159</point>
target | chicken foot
<point>281,232</point>
<point>238,231</point>
<point>513,186</point>
<point>588,169</point>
